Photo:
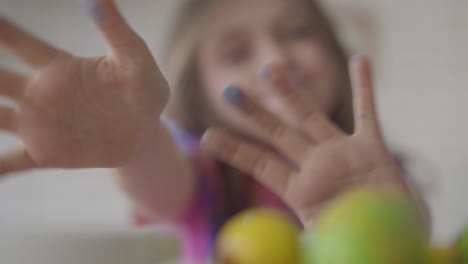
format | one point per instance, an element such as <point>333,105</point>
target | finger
<point>7,119</point>
<point>363,97</point>
<point>116,31</point>
<point>12,84</point>
<point>285,139</point>
<point>256,161</point>
<point>15,161</point>
<point>27,47</point>
<point>296,105</point>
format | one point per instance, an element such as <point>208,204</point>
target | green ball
<point>367,226</point>
<point>462,246</point>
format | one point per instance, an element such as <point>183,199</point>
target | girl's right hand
<point>80,112</point>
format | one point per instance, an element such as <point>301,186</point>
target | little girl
<point>256,111</point>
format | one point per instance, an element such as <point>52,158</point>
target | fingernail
<point>206,135</point>
<point>208,143</point>
<point>264,71</point>
<point>94,10</point>
<point>233,94</point>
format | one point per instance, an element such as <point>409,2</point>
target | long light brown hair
<point>187,99</point>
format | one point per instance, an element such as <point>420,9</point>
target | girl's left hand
<point>313,160</point>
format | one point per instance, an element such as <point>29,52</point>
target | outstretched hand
<point>321,159</point>
<point>78,112</point>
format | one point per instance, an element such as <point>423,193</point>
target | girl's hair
<point>187,99</point>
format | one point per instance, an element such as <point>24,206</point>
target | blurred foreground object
<point>367,226</point>
<point>258,236</point>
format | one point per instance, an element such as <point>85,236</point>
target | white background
<point>421,55</point>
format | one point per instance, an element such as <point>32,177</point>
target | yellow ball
<point>258,236</point>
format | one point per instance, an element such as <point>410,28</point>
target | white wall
<point>423,93</point>
<point>421,63</point>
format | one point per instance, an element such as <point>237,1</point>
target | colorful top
<point>218,197</point>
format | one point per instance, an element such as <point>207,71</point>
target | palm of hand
<point>334,166</point>
<point>78,110</point>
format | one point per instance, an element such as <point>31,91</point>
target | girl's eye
<point>235,55</point>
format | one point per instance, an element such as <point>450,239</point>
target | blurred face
<point>244,35</point>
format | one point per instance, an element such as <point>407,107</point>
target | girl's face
<point>243,36</point>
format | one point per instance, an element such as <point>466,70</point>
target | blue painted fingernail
<point>233,94</point>
<point>94,10</point>
<point>264,71</point>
